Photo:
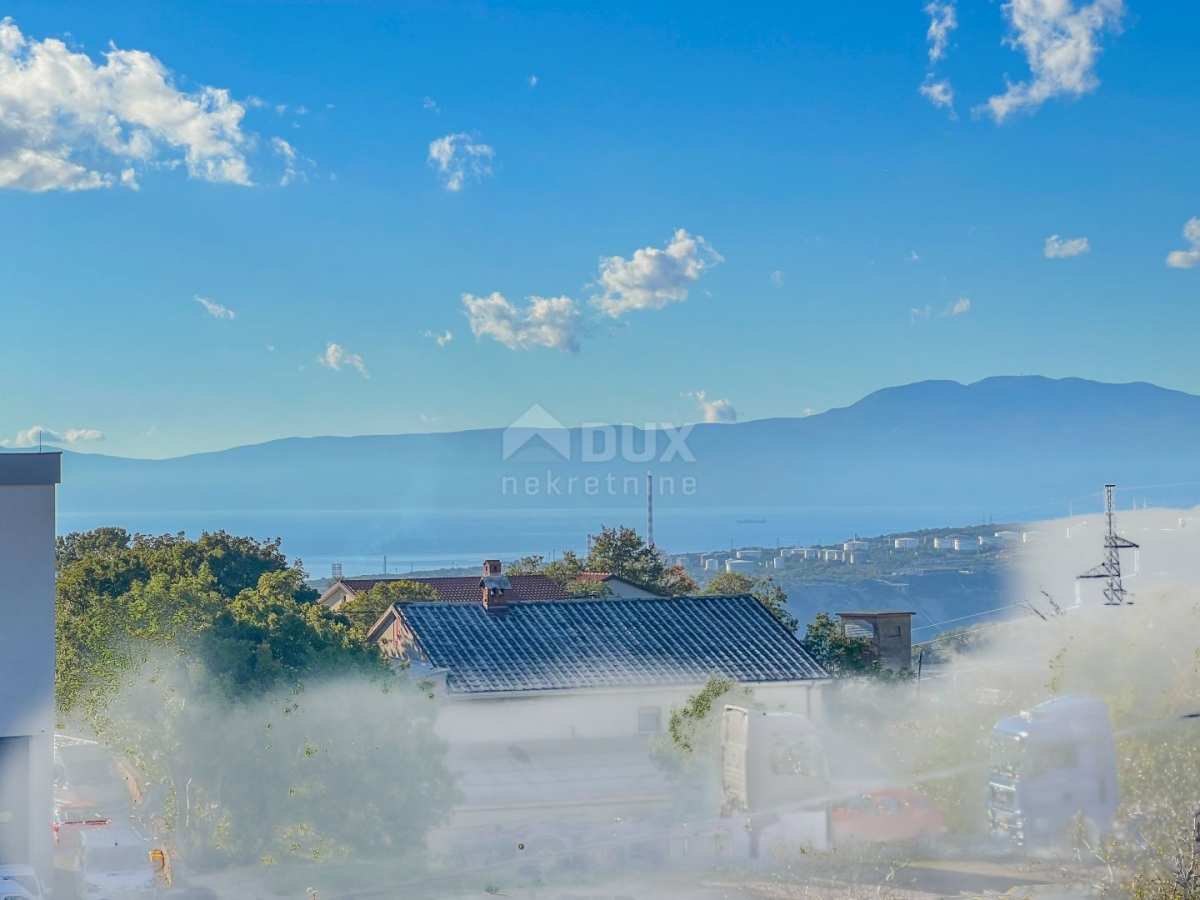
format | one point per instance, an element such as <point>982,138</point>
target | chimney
<point>494,586</point>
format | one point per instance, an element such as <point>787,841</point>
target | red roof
<point>595,576</point>
<point>466,589</point>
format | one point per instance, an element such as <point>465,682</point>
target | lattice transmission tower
<point>1110,569</point>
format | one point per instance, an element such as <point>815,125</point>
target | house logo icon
<point>536,436</point>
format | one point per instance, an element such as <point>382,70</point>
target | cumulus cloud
<point>38,434</point>
<point>652,278</point>
<point>777,278</point>
<point>939,93</point>
<point>216,310</point>
<point>958,307</point>
<point>69,123</point>
<point>717,411</point>
<point>337,357</point>
<point>942,21</point>
<point>459,159</point>
<point>917,313</point>
<point>533,81</point>
<point>441,339</point>
<point>1190,258</point>
<point>430,104</point>
<point>1057,248</point>
<point>1061,42</point>
<point>553,322</point>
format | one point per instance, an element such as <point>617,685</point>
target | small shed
<point>889,632</point>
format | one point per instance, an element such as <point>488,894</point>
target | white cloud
<point>777,278</point>
<point>432,419</point>
<point>1057,248</point>
<point>942,21</point>
<point>430,104</point>
<point>458,159</point>
<point>337,357</point>
<point>1190,258</point>
<point>441,339</point>
<point>290,157</point>
<point>216,310</point>
<point>1061,43</point>
<point>302,110</point>
<point>721,411</point>
<point>919,313</point>
<point>653,278</point>
<point>38,434</point>
<point>809,411</point>
<point>958,307</point>
<point>68,123</point>
<point>553,322</point>
<point>533,81</point>
<point>913,257</point>
<point>939,93</point>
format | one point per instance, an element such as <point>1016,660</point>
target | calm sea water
<point>424,539</point>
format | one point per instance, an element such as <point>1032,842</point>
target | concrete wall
<point>27,657</point>
<point>591,714</point>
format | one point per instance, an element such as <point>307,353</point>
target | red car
<point>896,815</point>
<point>69,818</point>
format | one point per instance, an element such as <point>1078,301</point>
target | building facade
<point>27,502</point>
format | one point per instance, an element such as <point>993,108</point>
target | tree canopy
<point>210,665</point>
<point>764,590</point>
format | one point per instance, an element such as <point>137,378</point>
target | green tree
<point>676,582</point>
<point>526,565</point>
<point>565,569</point>
<point>764,590</point>
<point>364,610</point>
<point>840,654</point>
<point>622,552</point>
<point>286,734</point>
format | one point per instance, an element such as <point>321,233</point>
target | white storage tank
<point>712,565</point>
<point>855,546</point>
<point>907,543</point>
<point>740,565</point>
<point>749,554</point>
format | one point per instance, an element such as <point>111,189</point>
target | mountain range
<point>1000,443</point>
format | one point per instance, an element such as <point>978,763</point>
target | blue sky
<point>777,169</point>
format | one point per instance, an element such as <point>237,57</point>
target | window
<point>649,720</point>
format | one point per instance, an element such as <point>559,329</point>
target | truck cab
<point>775,773</point>
<point>113,863</point>
<point>1052,769</point>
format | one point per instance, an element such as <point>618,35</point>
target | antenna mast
<point>1110,569</point>
<point>649,510</point>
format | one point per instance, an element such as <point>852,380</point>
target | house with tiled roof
<point>592,668</point>
<point>550,709</point>
<point>454,589</point>
<point>621,588</point>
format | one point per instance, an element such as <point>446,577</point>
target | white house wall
<point>590,714</point>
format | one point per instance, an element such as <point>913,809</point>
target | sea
<point>415,540</point>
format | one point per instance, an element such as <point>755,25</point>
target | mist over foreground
<point>274,750</point>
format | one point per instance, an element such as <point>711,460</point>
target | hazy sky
<point>228,222</point>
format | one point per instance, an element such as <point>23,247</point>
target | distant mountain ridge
<point>1011,440</point>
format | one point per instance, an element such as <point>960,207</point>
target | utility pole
<point>1110,569</point>
<point>649,510</point>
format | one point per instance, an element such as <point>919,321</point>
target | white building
<point>553,707</point>
<point>27,492</point>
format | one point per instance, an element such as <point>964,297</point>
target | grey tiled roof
<point>602,643</point>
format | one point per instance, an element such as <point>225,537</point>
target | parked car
<point>889,816</point>
<point>26,879</point>
<point>11,890</point>
<point>113,862</point>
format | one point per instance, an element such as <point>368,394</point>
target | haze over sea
<point>424,539</point>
